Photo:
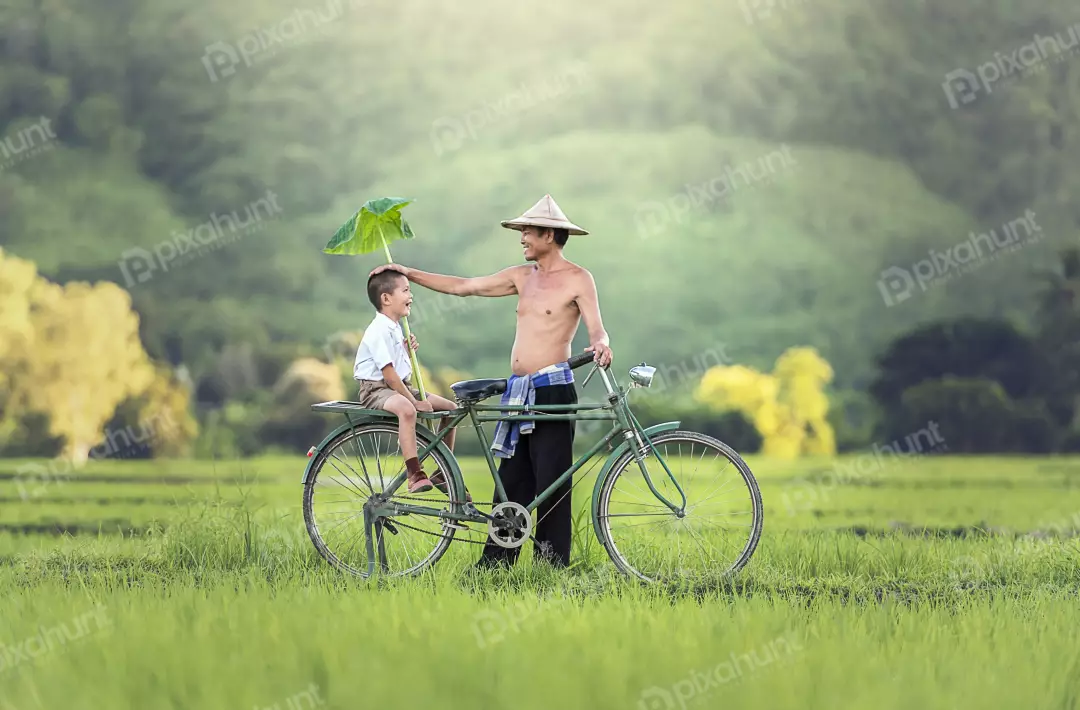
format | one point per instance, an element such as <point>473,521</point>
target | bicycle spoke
<point>333,460</point>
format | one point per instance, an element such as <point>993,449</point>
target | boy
<point>383,370</point>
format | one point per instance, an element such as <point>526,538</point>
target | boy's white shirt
<point>383,343</point>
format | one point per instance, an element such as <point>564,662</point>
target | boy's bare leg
<point>406,414</point>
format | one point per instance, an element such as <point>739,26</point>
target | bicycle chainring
<point>517,533</point>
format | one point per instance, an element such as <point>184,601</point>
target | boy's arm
<point>503,283</point>
<point>394,382</point>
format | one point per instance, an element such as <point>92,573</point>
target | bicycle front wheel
<point>714,535</point>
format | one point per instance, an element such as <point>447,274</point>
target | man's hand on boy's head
<point>403,270</point>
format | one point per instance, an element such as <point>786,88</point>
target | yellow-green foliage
<point>73,353</point>
<point>788,407</point>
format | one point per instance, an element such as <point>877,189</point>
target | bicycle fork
<point>641,445</point>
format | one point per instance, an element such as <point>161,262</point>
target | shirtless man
<point>554,295</point>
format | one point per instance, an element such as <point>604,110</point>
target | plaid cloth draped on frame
<point>520,390</point>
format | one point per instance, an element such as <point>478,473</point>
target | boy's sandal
<point>439,481</point>
<point>420,484</point>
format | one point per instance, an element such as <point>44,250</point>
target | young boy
<point>383,370</point>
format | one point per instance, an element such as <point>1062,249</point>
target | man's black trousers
<point>539,459</point>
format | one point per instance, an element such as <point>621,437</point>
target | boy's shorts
<point>373,394</point>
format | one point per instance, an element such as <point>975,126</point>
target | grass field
<point>937,582</point>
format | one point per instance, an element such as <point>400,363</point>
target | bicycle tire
<point>327,454</point>
<point>604,516</point>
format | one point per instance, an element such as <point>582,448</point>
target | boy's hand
<point>423,405</point>
<point>413,344</point>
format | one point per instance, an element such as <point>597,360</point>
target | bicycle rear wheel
<point>716,533</point>
<point>353,468</point>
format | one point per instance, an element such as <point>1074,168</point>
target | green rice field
<point>931,582</point>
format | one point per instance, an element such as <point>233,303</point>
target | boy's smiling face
<point>398,303</point>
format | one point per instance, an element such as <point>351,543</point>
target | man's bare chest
<point>549,297</point>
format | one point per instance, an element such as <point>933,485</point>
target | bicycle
<point>401,535</point>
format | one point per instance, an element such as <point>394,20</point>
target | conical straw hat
<point>544,213</point>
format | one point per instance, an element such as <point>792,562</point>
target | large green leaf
<point>365,232</point>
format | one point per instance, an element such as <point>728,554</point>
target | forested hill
<point>747,173</point>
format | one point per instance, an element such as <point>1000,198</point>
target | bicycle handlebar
<point>581,359</point>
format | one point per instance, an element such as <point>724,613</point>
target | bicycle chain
<point>532,537</point>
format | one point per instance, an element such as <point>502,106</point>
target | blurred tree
<point>162,417</point>
<point>291,424</point>
<point>975,416</point>
<point>79,359</point>
<point>1058,338</point>
<point>789,408</point>
<point>17,280</point>
<point>86,359</point>
<point>965,348</point>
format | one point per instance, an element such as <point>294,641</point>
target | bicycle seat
<point>474,390</point>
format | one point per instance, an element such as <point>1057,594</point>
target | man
<point>554,295</point>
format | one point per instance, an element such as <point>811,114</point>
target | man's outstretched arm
<point>502,283</point>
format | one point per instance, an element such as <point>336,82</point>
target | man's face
<point>535,242</point>
<point>398,302</point>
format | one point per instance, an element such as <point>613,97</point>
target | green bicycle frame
<point>625,426</point>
